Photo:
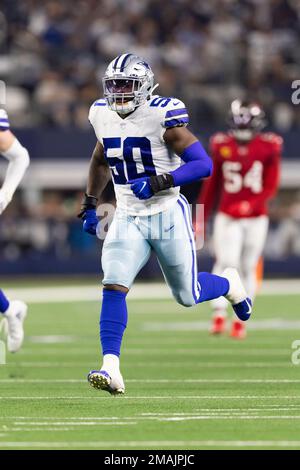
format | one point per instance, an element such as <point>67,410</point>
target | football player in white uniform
<point>12,313</point>
<point>142,141</point>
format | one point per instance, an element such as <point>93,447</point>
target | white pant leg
<point>228,243</point>
<point>125,251</point>
<point>255,234</point>
<point>176,253</point>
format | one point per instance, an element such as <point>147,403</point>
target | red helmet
<point>246,119</point>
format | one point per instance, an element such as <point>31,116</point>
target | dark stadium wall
<point>71,143</point>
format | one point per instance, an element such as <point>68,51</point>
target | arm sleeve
<point>211,187</point>
<point>197,165</point>
<point>18,158</point>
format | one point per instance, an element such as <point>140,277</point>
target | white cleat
<point>14,318</point>
<point>102,380</point>
<point>237,294</point>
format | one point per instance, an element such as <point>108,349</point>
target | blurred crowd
<point>48,227</point>
<point>53,54</point>
<point>50,231</point>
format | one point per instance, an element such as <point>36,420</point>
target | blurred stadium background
<point>185,389</point>
<point>52,56</point>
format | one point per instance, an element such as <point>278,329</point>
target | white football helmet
<point>127,83</point>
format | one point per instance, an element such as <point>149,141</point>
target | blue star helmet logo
<point>144,64</point>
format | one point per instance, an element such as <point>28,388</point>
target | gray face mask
<point>243,135</point>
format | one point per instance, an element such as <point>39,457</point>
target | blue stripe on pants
<point>186,214</point>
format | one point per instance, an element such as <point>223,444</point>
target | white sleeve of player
<point>95,117</point>
<point>18,159</point>
<point>175,114</point>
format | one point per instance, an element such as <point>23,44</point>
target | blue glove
<point>90,221</point>
<point>88,214</point>
<point>141,188</point>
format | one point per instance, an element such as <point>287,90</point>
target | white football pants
<point>239,243</point>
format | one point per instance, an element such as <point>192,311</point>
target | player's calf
<point>113,322</point>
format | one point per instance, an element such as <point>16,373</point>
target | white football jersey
<point>134,147</point>
<point>4,123</point>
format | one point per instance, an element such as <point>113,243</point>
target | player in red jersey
<point>245,178</point>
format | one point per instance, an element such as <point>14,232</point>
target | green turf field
<point>185,389</point>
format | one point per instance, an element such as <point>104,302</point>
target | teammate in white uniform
<point>12,313</point>
<point>142,143</point>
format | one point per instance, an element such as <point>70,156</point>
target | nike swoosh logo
<point>176,104</point>
<point>168,229</point>
<point>250,307</point>
<point>142,188</point>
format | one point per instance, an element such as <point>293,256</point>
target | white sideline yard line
<point>153,397</point>
<point>71,426</point>
<point>52,339</point>
<point>215,411</point>
<point>82,423</point>
<point>183,351</point>
<point>206,365</point>
<point>162,381</point>
<point>228,418</point>
<point>148,444</point>
<point>44,420</point>
<point>215,416</point>
<point>83,352</point>
<point>140,291</point>
<point>253,325</point>
<point>60,429</point>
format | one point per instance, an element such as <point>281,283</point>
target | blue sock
<point>113,321</point>
<point>4,303</point>
<point>212,286</point>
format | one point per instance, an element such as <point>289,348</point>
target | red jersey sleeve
<point>272,169</point>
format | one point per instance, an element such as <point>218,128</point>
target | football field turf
<point>185,389</point>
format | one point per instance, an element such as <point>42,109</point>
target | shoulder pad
<point>97,105</point>
<point>175,113</point>
<point>272,138</point>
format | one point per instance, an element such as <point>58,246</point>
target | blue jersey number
<point>160,102</point>
<point>117,165</point>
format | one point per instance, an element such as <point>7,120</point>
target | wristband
<point>89,202</point>
<point>161,182</point>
